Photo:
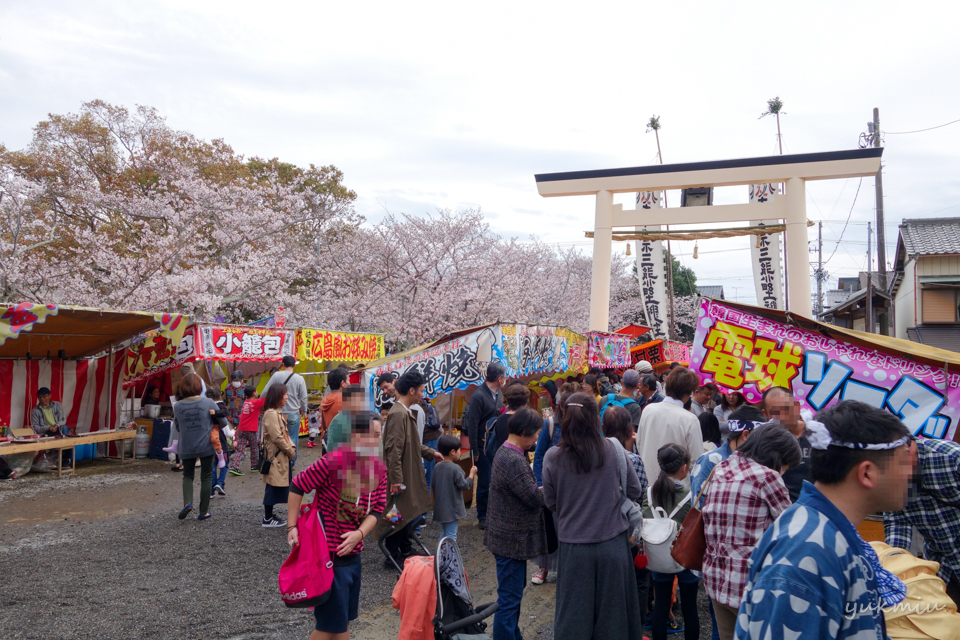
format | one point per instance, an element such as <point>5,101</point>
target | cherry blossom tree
<point>112,208</point>
<point>108,208</point>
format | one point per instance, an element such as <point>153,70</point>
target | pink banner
<point>741,351</point>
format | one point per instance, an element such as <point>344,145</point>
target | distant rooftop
<point>931,236</point>
<point>711,291</point>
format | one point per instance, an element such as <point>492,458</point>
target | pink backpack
<point>306,576</point>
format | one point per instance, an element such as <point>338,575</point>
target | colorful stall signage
<point>155,355</point>
<point>229,342</point>
<point>677,352</point>
<point>317,344</point>
<point>22,317</point>
<point>608,350</point>
<point>660,352</point>
<point>742,351</point>
<point>461,361</point>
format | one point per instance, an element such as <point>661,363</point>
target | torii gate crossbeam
<point>793,170</point>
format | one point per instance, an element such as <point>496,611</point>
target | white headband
<point>739,426</point>
<point>820,438</point>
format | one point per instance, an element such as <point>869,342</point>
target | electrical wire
<point>900,133</point>
<point>845,223</point>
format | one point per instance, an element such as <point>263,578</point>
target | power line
<point>847,222</point>
<point>900,133</point>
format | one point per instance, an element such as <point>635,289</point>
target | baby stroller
<point>453,615</point>
<point>455,612</point>
<point>382,540</point>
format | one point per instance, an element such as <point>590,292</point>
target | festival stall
<point>217,351</point>
<point>751,349</point>
<point>319,350</point>
<point>660,353</point>
<point>221,348</point>
<point>454,365</point>
<point>71,351</point>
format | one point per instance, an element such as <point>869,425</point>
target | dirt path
<point>101,554</point>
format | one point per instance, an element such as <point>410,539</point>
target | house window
<point>939,305</point>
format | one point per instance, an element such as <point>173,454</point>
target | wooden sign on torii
<point>793,170</point>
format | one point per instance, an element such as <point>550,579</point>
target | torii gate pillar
<point>602,248</point>
<point>794,170</point>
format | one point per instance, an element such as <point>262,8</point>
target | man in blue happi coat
<point>812,574</point>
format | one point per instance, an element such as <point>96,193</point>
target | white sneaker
<point>272,523</point>
<point>539,576</point>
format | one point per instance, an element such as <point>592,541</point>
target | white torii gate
<point>793,170</point>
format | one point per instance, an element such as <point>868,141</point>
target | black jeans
<point>643,590</point>
<point>688,604</point>
<point>206,475</point>
<point>483,485</point>
<point>400,544</point>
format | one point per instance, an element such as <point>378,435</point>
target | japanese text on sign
<point>740,351</point>
<point>245,343</point>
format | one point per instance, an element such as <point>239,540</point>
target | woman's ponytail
<point>671,458</point>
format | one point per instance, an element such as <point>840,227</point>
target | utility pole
<point>881,243</point>
<point>868,324</point>
<point>819,269</point>
<point>654,125</point>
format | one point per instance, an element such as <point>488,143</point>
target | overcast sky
<point>444,105</point>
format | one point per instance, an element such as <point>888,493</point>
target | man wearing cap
<point>743,421</point>
<point>629,383</point>
<point>47,419</point>
<point>811,574</point>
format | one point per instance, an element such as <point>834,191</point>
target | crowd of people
<point>780,496</point>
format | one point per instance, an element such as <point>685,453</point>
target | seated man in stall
<point>47,419</point>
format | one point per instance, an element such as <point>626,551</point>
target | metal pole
<point>881,242</point>
<point>819,309</point>
<point>670,322</point>
<point>868,323</point>
<point>670,289</point>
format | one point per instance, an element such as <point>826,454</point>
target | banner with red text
<point>231,342</point>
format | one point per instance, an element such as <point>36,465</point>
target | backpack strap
<point>680,504</point>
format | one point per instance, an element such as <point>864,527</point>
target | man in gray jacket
<point>296,398</point>
<point>47,419</point>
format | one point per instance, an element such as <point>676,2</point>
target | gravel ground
<point>102,555</point>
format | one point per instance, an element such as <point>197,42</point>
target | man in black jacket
<point>486,403</point>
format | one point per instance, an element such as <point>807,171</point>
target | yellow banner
<point>318,344</point>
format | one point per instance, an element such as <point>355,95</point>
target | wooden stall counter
<point>70,442</point>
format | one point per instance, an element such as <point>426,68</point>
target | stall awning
<point>633,330</point>
<point>79,332</point>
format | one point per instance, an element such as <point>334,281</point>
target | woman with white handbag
<point>665,505</point>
